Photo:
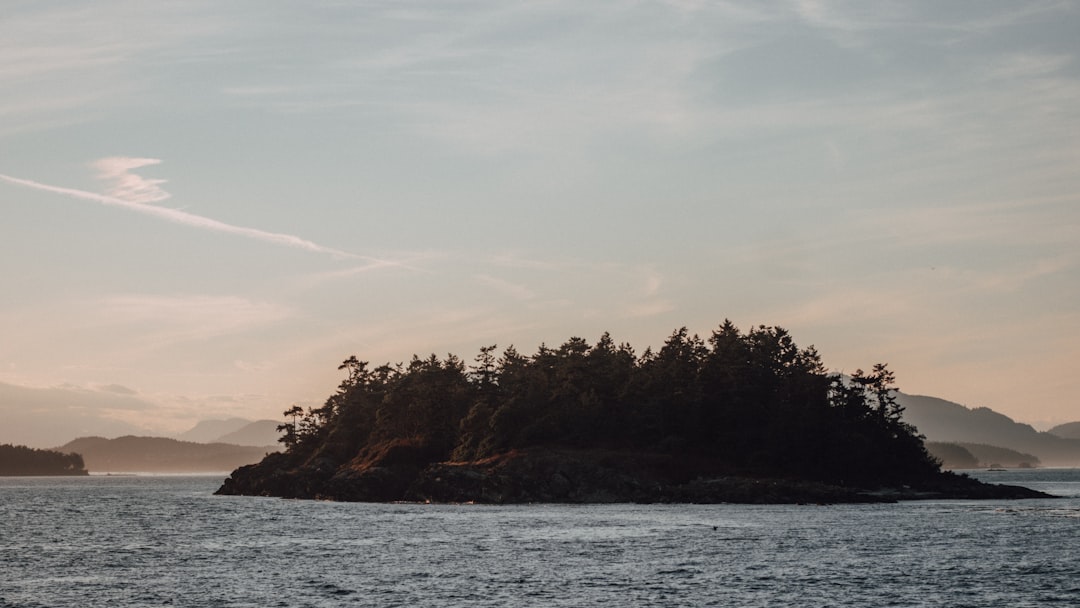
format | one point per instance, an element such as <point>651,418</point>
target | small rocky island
<point>23,461</point>
<point>740,417</point>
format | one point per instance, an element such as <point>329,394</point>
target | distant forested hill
<point>945,421</point>
<point>21,460</point>
<point>976,455</point>
<point>258,433</point>
<point>1069,430</point>
<point>598,422</point>
<point>208,431</point>
<point>132,454</point>
<point>237,431</point>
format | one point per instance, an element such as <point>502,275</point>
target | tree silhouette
<point>753,402</point>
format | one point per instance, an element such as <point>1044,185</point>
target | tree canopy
<point>21,460</point>
<point>753,401</point>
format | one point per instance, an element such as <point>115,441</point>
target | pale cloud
<point>64,64</point>
<point>853,305</point>
<point>417,330</point>
<point>1026,65</point>
<point>1011,278</point>
<point>154,323</point>
<point>633,289</point>
<point>117,389</point>
<point>128,186</point>
<point>513,290</point>
<point>183,217</point>
<point>253,367</point>
<point>813,11</point>
<point>256,90</point>
<point>1018,222</point>
<point>37,113</point>
<point>847,17</point>
<point>201,314</point>
<point>406,261</point>
<point>35,62</point>
<point>66,41</point>
<point>933,294</point>
<point>653,281</point>
<point>648,309</point>
<point>515,260</point>
<point>1016,13</point>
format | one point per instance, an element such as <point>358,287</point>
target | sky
<point>207,206</point>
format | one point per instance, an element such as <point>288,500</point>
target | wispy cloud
<point>117,389</point>
<point>256,90</point>
<point>402,261</point>
<point>648,309</point>
<point>140,191</point>
<point>1009,278</point>
<point>514,290</point>
<point>163,320</point>
<point>653,281</point>
<point>129,186</point>
<point>847,305</point>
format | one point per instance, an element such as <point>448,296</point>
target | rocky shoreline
<point>404,472</point>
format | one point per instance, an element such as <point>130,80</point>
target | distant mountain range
<point>1070,430</point>
<point>207,431</point>
<point>131,454</point>
<point>948,422</point>
<point>47,417</point>
<point>211,446</point>
<point>238,431</point>
<point>260,432</point>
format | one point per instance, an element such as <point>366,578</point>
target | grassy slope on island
<point>747,417</point>
<point>21,460</point>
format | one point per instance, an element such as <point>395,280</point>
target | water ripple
<point>169,542</point>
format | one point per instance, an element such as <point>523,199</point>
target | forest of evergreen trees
<point>21,460</point>
<point>753,402</point>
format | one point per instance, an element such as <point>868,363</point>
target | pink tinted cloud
<point>128,186</point>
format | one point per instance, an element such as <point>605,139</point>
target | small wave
<point>329,589</point>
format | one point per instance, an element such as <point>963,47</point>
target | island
<point>746,417</point>
<point>18,460</point>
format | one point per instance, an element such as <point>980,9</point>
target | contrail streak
<point>182,217</point>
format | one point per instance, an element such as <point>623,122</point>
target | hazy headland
<point>21,460</point>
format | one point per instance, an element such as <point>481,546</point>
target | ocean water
<point>167,541</point>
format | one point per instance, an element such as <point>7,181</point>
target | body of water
<point>153,541</point>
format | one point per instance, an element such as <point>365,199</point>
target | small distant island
<point>17,460</point>
<point>737,417</point>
